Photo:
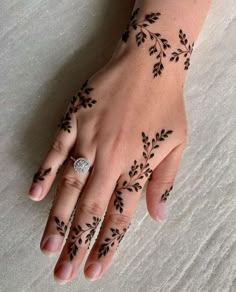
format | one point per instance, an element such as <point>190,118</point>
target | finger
<point>161,183</point>
<point>91,207</point>
<point>55,157</point>
<point>70,187</point>
<point>113,229</point>
<point>123,204</point>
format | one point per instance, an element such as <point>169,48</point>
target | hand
<point>132,129</point>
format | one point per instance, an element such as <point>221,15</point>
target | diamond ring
<point>81,164</point>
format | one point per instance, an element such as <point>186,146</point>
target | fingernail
<point>63,272</point>
<point>52,244</point>
<point>161,211</point>
<point>35,191</point>
<point>93,271</point>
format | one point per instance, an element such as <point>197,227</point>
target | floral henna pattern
<point>40,175</point>
<point>166,194</point>
<point>186,52</point>
<point>116,236</point>
<point>139,171</point>
<point>76,237</point>
<point>82,100</point>
<point>160,44</point>
<point>61,226</point>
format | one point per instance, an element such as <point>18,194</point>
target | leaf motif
<point>47,171</point>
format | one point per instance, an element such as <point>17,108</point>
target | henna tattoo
<point>139,171</point>
<point>160,44</point>
<point>166,194</point>
<point>76,237</point>
<point>186,52</point>
<point>39,175</point>
<point>61,226</point>
<point>82,100</point>
<point>110,241</point>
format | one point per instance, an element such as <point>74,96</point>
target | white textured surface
<point>47,49</point>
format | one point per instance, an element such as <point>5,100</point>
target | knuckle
<point>119,219</point>
<point>72,182</point>
<point>91,208</point>
<point>59,147</point>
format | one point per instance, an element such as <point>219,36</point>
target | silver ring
<point>81,164</point>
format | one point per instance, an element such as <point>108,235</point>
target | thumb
<point>161,183</point>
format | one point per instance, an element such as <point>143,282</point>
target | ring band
<point>81,164</point>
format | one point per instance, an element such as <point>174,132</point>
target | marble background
<point>47,49</point>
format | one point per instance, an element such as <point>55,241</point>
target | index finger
<point>55,157</point>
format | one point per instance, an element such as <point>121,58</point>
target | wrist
<point>141,64</point>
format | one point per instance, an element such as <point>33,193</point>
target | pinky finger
<point>161,183</point>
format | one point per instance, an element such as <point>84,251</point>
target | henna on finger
<point>160,44</point>
<point>186,51</point>
<point>139,171</point>
<point>61,226</point>
<point>81,235</point>
<point>166,194</point>
<point>116,236</point>
<point>40,174</point>
<point>82,100</point>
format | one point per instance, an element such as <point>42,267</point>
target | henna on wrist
<point>185,52</point>
<point>160,44</point>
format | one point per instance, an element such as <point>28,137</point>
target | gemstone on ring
<point>81,165</point>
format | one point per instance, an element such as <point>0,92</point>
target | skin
<point>131,107</point>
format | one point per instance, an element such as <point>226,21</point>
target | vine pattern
<point>166,194</point>
<point>82,100</point>
<point>116,236</point>
<point>160,44</point>
<point>61,226</point>
<point>77,233</point>
<point>186,52</point>
<point>139,171</point>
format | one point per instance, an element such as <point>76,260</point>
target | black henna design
<point>76,237</point>
<point>110,241</point>
<point>166,194</point>
<point>61,226</point>
<point>39,175</point>
<point>160,44</point>
<point>139,171</point>
<point>82,100</point>
<point>186,52</point>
